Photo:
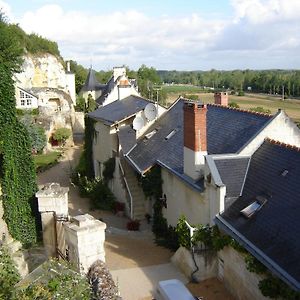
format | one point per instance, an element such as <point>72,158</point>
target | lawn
<point>43,161</point>
<point>290,106</point>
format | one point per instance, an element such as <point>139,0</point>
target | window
<point>29,102</point>
<point>22,102</point>
<point>254,207</point>
<point>22,95</point>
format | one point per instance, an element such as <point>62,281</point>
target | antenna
<point>150,111</point>
<point>138,123</point>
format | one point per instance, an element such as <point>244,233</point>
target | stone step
<point>19,258</point>
<point>14,246</point>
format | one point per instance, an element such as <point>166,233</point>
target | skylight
<point>170,134</point>
<point>251,209</point>
<point>255,206</point>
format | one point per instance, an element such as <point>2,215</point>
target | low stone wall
<point>206,262</point>
<point>238,280</point>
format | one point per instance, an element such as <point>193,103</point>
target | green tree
<point>91,104</point>
<point>80,104</point>
<point>11,48</point>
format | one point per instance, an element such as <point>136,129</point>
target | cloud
<point>121,34</point>
<point>266,11</point>
<point>258,34</point>
<point>6,9</point>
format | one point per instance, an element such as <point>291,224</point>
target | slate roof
<point>233,172</point>
<point>105,91</point>
<point>91,83</point>
<point>127,137</point>
<point>119,110</point>
<point>228,130</point>
<point>273,233</point>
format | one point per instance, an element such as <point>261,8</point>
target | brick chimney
<point>195,141</point>
<point>221,98</point>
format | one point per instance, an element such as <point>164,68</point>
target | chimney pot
<point>221,98</point>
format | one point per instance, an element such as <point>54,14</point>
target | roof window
<point>254,207</point>
<point>170,134</point>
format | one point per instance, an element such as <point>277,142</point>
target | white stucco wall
<point>70,86</point>
<point>238,280</point>
<point>281,128</point>
<point>183,200</point>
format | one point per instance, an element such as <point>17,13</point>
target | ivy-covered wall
<point>18,179</point>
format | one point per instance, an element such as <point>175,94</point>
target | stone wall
<point>206,262</point>
<point>238,280</point>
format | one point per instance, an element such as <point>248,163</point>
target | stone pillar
<point>52,202</point>
<point>85,238</point>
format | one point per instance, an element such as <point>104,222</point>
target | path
<point>135,262</point>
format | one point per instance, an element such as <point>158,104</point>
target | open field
<point>291,106</point>
<point>181,89</point>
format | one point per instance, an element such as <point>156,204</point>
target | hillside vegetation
<point>15,42</point>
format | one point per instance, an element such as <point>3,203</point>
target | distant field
<point>181,89</point>
<point>291,106</point>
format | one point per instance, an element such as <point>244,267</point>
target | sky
<point>167,34</point>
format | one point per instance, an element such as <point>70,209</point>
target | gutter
<point>264,259</point>
<point>193,185</point>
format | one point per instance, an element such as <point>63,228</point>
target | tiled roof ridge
<point>283,145</point>
<point>241,110</point>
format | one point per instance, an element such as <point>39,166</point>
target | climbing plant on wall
<point>18,173</point>
<point>89,135</point>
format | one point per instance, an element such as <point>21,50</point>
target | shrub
<point>260,109</point>
<point>233,104</point>
<point>36,133</point>
<point>9,275</point>
<point>109,169</point>
<point>241,93</point>
<point>119,206</point>
<point>99,193</point>
<point>62,134</point>
<point>133,225</point>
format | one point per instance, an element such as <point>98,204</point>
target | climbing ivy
<point>18,173</point>
<point>89,135</point>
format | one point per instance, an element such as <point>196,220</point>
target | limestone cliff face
<point>43,70</point>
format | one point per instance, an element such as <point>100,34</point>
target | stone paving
<point>136,263</point>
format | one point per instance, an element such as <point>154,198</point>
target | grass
<point>182,89</point>
<point>44,161</point>
<point>290,106</point>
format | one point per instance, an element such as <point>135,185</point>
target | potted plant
<point>133,225</point>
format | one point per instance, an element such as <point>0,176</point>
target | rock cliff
<point>43,70</point>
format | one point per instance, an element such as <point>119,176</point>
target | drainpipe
<point>192,230</point>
